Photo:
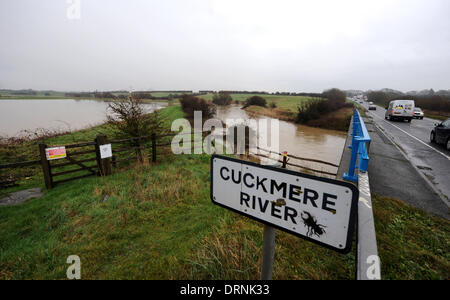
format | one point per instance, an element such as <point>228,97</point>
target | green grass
<point>412,244</point>
<point>159,223</point>
<point>289,103</point>
<point>436,117</point>
<point>362,110</point>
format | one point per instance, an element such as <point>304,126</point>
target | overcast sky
<point>280,45</point>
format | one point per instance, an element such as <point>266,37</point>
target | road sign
<point>105,151</point>
<point>55,153</point>
<point>317,209</point>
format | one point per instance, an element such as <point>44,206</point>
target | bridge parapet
<point>356,156</point>
<point>360,145</point>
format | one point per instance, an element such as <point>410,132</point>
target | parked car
<point>441,134</point>
<point>372,106</point>
<point>418,113</point>
<point>400,110</point>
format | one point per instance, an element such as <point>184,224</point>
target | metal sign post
<point>269,243</point>
<point>319,210</point>
<point>268,252</point>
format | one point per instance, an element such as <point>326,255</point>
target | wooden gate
<point>81,160</point>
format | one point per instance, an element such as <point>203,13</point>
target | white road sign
<point>105,151</point>
<point>316,209</point>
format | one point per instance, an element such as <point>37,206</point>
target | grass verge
<point>412,244</point>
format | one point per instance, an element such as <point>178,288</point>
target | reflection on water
<point>18,115</point>
<point>298,140</point>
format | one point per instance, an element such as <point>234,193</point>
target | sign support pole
<point>269,243</point>
<point>268,252</point>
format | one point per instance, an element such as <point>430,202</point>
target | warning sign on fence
<point>105,151</point>
<point>55,153</point>
<point>316,209</point>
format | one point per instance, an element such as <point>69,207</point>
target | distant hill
<point>353,93</point>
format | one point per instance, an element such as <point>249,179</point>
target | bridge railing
<point>360,145</point>
<point>367,259</point>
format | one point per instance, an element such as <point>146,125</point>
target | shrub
<point>314,109</point>
<point>335,95</point>
<point>273,105</point>
<point>255,100</point>
<point>130,119</point>
<point>380,98</point>
<point>142,95</point>
<point>191,104</point>
<point>222,98</point>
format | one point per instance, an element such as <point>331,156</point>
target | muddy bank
<point>338,120</point>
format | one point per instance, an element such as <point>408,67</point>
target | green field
<point>159,223</point>
<point>289,103</point>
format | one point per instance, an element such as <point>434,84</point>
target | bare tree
<point>129,119</point>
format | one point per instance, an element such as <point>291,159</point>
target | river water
<point>59,115</point>
<point>64,115</point>
<point>298,140</point>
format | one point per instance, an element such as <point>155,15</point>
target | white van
<point>400,110</point>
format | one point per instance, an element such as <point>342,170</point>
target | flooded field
<point>61,115</point>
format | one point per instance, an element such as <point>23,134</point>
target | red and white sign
<point>55,153</point>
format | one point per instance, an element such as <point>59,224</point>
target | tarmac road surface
<point>432,160</point>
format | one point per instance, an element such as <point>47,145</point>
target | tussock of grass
<point>412,243</point>
<point>234,251</point>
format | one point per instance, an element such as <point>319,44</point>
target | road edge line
<point>416,138</point>
<point>430,184</point>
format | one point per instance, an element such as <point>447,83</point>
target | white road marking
<point>419,140</point>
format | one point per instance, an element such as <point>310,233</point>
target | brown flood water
<point>298,140</point>
<point>55,115</point>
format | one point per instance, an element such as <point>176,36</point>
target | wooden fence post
<point>153,147</point>
<point>104,165</point>
<point>46,167</point>
<point>139,156</point>
<point>114,164</point>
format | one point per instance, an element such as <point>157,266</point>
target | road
<point>433,161</point>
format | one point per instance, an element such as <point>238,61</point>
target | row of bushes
<point>439,103</point>
<point>315,109</point>
<point>190,104</point>
<point>222,98</point>
<point>255,100</point>
<point>316,95</point>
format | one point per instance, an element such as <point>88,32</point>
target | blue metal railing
<point>360,145</point>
